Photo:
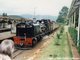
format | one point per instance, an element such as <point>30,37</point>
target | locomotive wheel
<point>40,37</point>
<point>33,43</point>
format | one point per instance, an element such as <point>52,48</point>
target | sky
<point>41,7</point>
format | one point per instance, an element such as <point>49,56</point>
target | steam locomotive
<point>30,33</point>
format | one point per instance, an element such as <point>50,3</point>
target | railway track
<point>17,52</point>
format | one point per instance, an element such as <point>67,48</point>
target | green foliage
<point>4,14</point>
<point>79,49</point>
<point>73,33</point>
<point>62,15</point>
<point>61,30</point>
<point>58,36</point>
<point>79,46</point>
<point>67,22</point>
<point>57,39</point>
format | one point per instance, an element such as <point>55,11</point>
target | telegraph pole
<point>34,12</point>
<point>34,18</point>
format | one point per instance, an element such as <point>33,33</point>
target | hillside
<point>38,17</point>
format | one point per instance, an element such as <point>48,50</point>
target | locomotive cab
<point>24,30</point>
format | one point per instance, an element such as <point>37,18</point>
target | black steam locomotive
<point>29,33</point>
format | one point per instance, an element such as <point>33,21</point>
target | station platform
<point>6,35</point>
<point>5,30</point>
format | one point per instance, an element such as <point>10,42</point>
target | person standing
<point>6,49</point>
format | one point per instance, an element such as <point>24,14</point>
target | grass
<point>53,51</point>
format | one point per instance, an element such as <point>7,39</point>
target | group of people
<point>6,49</point>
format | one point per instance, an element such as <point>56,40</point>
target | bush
<point>58,36</point>
<point>57,39</point>
<point>62,30</point>
<point>73,33</point>
<point>79,49</point>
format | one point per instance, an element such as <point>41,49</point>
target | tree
<point>4,14</point>
<point>62,15</point>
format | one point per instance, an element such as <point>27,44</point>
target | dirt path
<point>74,50</point>
<point>75,53</point>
